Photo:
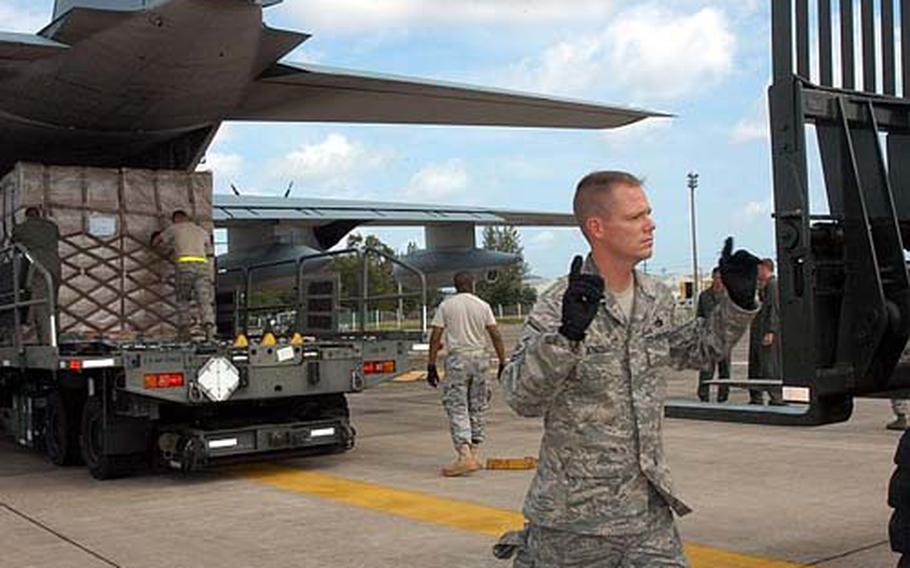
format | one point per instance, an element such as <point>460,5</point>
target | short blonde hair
<point>593,188</point>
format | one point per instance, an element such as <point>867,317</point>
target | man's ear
<point>594,227</point>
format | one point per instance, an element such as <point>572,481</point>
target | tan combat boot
<point>475,453</point>
<point>464,463</point>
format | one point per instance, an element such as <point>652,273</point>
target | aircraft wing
<point>233,210</point>
<point>311,93</point>
<point>27,47</point>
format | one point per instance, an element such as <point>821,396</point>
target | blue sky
<point>705,61</point>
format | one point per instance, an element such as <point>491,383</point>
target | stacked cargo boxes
<point>114,284</point>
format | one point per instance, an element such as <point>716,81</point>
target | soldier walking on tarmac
<point>41,238</point>
<point>707,301</point>
<point>191,246</point>
<point>465,319</point>
<point>592,361</point>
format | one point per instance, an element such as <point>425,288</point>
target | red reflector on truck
<point>378,367</point>
<point>163,380</point>
<point>75,365</point>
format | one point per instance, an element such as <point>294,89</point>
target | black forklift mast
<point>843,281</point>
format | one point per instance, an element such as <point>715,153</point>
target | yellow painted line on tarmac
<point>701,556</point>
<point>408,504</point>
<point>453,513</point>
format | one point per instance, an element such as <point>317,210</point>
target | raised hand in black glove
<point>432,376</point>
<point>502,367</point>
<point>739,273</point>
<point>580,301</point>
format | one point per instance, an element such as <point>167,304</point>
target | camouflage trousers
<point>466,396</point>
<point>194,282</point>
<point>542,547</point>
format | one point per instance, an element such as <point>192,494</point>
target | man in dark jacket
<point>764,337</point>
<point>707,301</point>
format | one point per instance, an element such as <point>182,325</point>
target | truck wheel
<point>62,423</point>
<point>334,406</point>
<point>100,465</point>
<point>899,500</point>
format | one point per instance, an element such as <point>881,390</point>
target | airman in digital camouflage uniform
<point>591,362</point>
<point>192,249</point>
<point>466,321</point>
<point>707,301</point>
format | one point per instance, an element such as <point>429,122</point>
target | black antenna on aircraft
<point>287,193</point>
<point>235,190</point>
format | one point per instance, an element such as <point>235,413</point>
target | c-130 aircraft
<point>147,83</point>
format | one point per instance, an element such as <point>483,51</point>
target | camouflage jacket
<point>602,468</point>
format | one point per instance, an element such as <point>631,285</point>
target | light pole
<point>693,184</point>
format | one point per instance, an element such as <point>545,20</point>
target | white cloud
<point>225,166</point>
<point>668,56</point>
<point>23,20</point>
<point>649,52</point>
<point>753,127</point>
<point>542,239</point>
<point>226,133</point>
<point>646,131</point>
<point>571,67</point>
<point>330,164</point>
<point>749,130</point>
<point>348,16</point>
<point>523,167</point>
<point>757,210</point>
<point>438,181</point>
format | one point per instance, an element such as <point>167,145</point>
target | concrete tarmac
<point>763,496</point>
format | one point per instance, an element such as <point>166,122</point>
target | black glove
<point>432,376</point>
<point>739,273</point>
<point>580,302</point>
<point>502,367</point>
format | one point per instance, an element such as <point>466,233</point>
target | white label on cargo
<point>100,225</point>
<point>285,354</point>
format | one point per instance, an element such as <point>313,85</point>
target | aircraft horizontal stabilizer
<point>27,47</point>
<point>310,93</point>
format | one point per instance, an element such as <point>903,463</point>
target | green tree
<point>509,289</point>
<point>380,278</point>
